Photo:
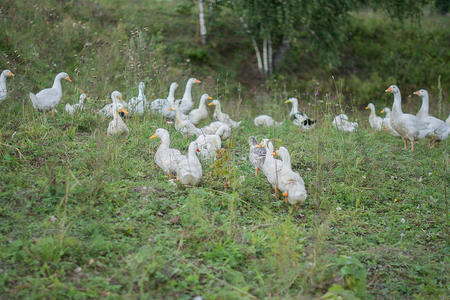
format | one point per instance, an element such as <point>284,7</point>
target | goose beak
<point>68,79</point>
<point>210,104</point>
<point>384,128</point>
<point>259,146</point>
<point>197,81</point>
<point>416,93</point>
<point>388,90</point>
<point>287,101</point>
<point>198,150</point>
<point>275,153</point>
<point>367,107</point>
<point>154,136</point>
<point>121,98</point>
<point>11,74</point>
<point>124,110</point>
<point>170,109</point>
<point>209,98</point>
<point>382,111</point>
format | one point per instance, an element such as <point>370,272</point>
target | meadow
<point>84,215</point>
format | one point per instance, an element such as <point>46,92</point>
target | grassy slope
<point>133,234</point>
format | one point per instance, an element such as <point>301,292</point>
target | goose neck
<point>425,106</point>
<point>2,82</point>
<point>141,93</point>
<point>294,108</point>
<point>57,83</point>
<point>187,91</point>
<point>397,106</point>
<point>171,96</point>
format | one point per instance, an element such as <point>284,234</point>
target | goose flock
<point>275,164</point>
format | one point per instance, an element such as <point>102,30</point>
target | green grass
<point>84,215</point>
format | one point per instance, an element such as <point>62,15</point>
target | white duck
<point>213,128</point>
<point>186,102</point>
<point>298,118</point>
<point>161,105</point>
<point>387,122</point>
<point>271,167</point>
<point>200,113</point>
<point>448,120</point>
<point>210,143</point>
<point>48,99</point>
<point>108,110</point>
<point>290,182</point>
<point>165,157</point>
<point>182,123</point>
<point>3,90</point>
<point>138,104</point>
<point>257,154</point>
<point>71,109</point>
<point>266,121</point>
<point>223,117</point>
<point>189,169</point>
<point>342,123</point>
<point>440,129</point>
<point>408,126</point>
<point>117,126</point>
<point>374,121</point>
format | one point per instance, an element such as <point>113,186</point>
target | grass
<point>87,216</point>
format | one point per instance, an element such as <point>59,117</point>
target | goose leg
<point>297,206</point>
<point>170,175</point>
<point>285,194</point>
<point>404,142</point>
<point>53,113</point>
<point>412,146</point>
<point>256,171</point>
<point>276,189</point>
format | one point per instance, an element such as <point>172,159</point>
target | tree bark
<point>255,47</point>
<point>281,52</point>
<point>270,55</point>
<point>201,16</point>
<point>265,61</point>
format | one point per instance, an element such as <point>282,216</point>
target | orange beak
<point>209,98</point>
<point>124,110</point>
<point>197,81</point>
<point>11,74</point>
<point>259,146</point>
<point>153,136</point>
<point>367,107</point>
<point>417,93</point>
<point>389,89</point>
<point>210,104</point>
<point>68,79</point>
<point>287,101</point>
<point>275,153</point>
<point>382,111</point>
<point>198,150</point>
<point>121,98</point>
<point>170,109</point>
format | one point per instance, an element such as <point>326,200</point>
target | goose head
<point>393,89</point>
<point>141,85</point>
<point>116,96</point>
<point>173,85</point>
<point>193,80</point>
<point>253,142</point>
<point>205,97</point>
<point>120,108</point>
<point>8,73</point>
<point>64,75</point>
<point>371,107</point>
<point>82,98</point>
<point>421,93</point>
<point>160,133</point>
<point>386,110</point>
<point>214,102</point>
<point>193,147</point>
<point>291,100</point>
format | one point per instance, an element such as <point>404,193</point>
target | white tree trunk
<point>265,61</point>
<point>255,46</point>
<point>201,16</point>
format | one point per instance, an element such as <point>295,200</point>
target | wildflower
<point>395,200</point>
<point>53,219</point>
<point>78,269</point>
<point>403,220</point>
<point>429,173</point>
<point>338,208</point>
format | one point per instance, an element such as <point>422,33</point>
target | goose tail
<point>33,99</point>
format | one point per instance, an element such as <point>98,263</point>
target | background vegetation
<point>86,216</point>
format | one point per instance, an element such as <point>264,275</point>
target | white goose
<point>271,167</point>
<point>138,104</point>
<point>257,154</point>
<point>214,127</point>
<point>210,143</point>
<point>200,113</point>
<point>165,157</point>
<point>374,121</point>
<point>266,121</point>
<point>223,117</point>
<point>108,110</point>
<point>448,120</point>
<point>182,123</point>
<point>48,99</point>
<point>342,123</point>
<point>387,122</point>
<point>117,126</point>
<point>408,126</point>
<point>440,129</point>
<point>299,119</point>
<point>161,105</point>
<point>189,169</point>
<point>3,90</point>
<point>71,109</point>
<point>290,182</point>
<point>186,102</point>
